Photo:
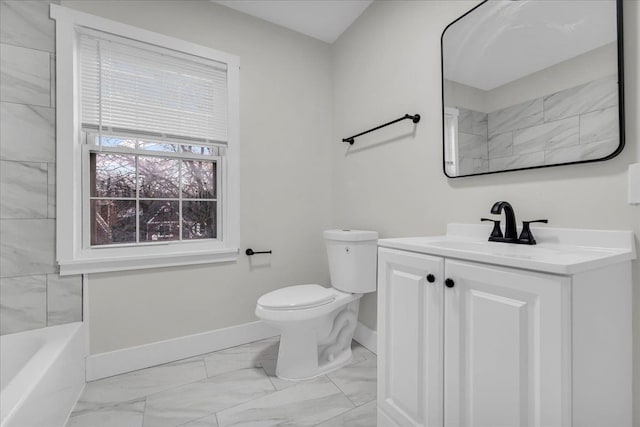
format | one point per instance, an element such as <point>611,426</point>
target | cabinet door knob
<point>431,278</point>
<point>449,283</point>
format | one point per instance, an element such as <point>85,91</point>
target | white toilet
<point>317,323</point>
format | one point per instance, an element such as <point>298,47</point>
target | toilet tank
<point>353,259</point>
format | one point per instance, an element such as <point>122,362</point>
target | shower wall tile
<point>599,125</point>
<point>23,303</point>
<point>473,122</point>
<point>51,190</point>
<point>516,162</point>
<point>27,247</point>
<point>64,299</point>
<point>52,67</point>
<point>24,75</point>
<point>27,24</point>
<point>474,146</point>
<point>23,190</point>
<point>28,133</point>
<point>595,95</point>
<point>517,116</point>
<point>501,145</point>
<point>556,134</point>
<point>592,151</point>
<point>470,166</point>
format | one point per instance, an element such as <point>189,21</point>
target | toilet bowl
<point>316,323</point>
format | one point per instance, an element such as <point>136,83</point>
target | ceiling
<point>322,19</point>
<point>503,41</point>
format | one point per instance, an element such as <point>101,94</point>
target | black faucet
<point>510,232</point>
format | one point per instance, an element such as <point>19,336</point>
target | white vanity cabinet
<point>500,345</point>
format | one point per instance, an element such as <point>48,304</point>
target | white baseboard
<point>368,338</point>
<point>129,359</point>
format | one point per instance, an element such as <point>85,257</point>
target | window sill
<point>138,262</point>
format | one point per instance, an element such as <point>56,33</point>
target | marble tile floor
<point>231,387</point>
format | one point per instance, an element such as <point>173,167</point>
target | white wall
<point>592,65</point>
<point>388,64</point>
<point>285,193</point>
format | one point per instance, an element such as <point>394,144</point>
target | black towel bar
<point>250,252</point>
<point>415,119</point>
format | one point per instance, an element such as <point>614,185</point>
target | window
<point>147,141</point>
<point>144,191</point>
<point>451,141</point>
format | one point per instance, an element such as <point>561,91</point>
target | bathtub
<point>41,375</point>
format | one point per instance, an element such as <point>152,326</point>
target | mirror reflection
<point>530,83</point>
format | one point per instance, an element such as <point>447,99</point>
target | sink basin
<point>559,250</point>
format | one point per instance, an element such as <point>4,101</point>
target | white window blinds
<point>134,87</point>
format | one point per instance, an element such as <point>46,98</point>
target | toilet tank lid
<point>350,235</point>
<point>297,297</point>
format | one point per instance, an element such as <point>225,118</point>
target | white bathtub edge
<point>50,399</point>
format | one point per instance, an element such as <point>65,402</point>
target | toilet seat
<point>298,297</point>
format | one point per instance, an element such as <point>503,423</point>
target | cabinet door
<point>409,339</point>
<point>507,347</point>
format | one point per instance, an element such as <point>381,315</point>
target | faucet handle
<point>496,232</point>
<point>526,236</point>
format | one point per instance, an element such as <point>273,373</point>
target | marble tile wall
<point>579,123</point>
<point>32,294</point>
<point>473,151</point>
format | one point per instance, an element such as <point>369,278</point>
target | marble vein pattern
<point>599,125</point>
<point>23,190</point>
<point>595,95</point>
<point>362,416</point>
<point>27,247</point>
<point>473,122</point>
<point>64,299</point>
<point>24,76</point>
<point>27,126</point>
<point>138,384</point>
<point>180,394</point>
<point>516,162</point>
<point>592,151</point>
<point>501,145</point>
<point>357,381</point>
<point>126,414</point>
<point>473,146</point>
<point>306,404</point>
<point>519,116</point>
<point>26,23</point>
<point>546,136</point>
<point>23,303</point>
<point>252,355</point>
<point>210,421</point>
<point>196,400</point>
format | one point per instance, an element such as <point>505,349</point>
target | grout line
<point>31,48</point>
<point>27,104</point>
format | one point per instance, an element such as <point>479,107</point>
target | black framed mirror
<point>531,84</point>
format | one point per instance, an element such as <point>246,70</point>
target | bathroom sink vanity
<point>483,333</point>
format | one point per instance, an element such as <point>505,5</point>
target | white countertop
<point>559,250</point>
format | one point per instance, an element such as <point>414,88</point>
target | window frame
<point>72,255</point>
